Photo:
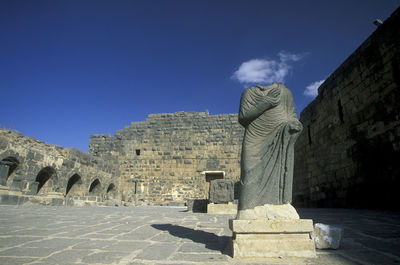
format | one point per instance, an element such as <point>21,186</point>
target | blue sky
<point>69,69</point>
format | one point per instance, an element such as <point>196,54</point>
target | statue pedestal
<point>265,238</point>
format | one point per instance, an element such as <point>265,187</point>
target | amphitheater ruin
<point>347,155</point>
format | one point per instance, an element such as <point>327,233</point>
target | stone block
<point>270,211</point>
<point>264,238</point>
<point>221,191</point>
<point>197,205</point>
<point>6,199</point>
<point>261,247</point>
<point>92,198</point>
<point>271,226</point>
<point>16,185</point>
<point>4,174</point>
<point>57,201</point>
<point>327,236</point>
<point>228,208</point>
<point>273,236</point>
<point>113,202</point>
<point>33,188</point>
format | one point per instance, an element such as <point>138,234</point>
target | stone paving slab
<point>169,235</point>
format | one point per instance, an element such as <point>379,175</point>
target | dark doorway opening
<point>75,180</point>
<point>7,167</point>
<point>111,188</point>
<point>95,187</point>
<point>44,176</point>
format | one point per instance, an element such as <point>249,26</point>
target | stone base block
<point>228,208</point>
<point>263,238</point>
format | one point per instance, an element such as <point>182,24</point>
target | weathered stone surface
<point>74,233</point>
<point>351,136</point>
<point>272,238</point>
<point>271,226</point>
<point>161,159</point>
<point>269,211</point>
<point>32,171</point>
<point>221,191</point>
<point>272,248</point>
<point>228,208</point>
<point>113,202</point>
<point>327,236</point>
<point>197,206</point>
<point>348,153</point>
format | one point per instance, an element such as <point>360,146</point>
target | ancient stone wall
<point>29,167</point>
<point>173,157</point>
<point>348,154</point>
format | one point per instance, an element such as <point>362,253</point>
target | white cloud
<point>312,89</point>
<point>266,71</point>
<point>285,57</point>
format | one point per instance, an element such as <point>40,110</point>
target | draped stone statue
<point>271,129</point>
<point>267,225</point>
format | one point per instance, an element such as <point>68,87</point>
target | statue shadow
<point>210,240</point>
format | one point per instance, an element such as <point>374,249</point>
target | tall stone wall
<point>33,171</point>
<point>172,157</point>
<point>348,154</point>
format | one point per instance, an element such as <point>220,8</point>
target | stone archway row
<point>46,181</point>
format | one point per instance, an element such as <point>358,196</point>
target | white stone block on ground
<point>327,236</point>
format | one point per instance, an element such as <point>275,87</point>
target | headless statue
<point>271,129</point>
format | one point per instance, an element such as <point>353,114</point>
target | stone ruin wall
<point>349,152</point>
<point>42,173</point>
<point>346,156</point>
<point>169,158</point>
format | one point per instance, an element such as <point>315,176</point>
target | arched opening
<point>46,176</point>
<point>7,167</point>
<point>111,190</point>
<point>95,187</point>
<point>74,185</point>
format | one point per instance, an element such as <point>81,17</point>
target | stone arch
<point>95,187</point>
<point>13,156</point>
<point>74,185</point>
<point>10,153</point>
<point>47,180</point>
<point>111,190</point>
<point>8,165</point>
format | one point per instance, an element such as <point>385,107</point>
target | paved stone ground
<point>167,235</point>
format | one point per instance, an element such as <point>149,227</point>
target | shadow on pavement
<point>210,240</point>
